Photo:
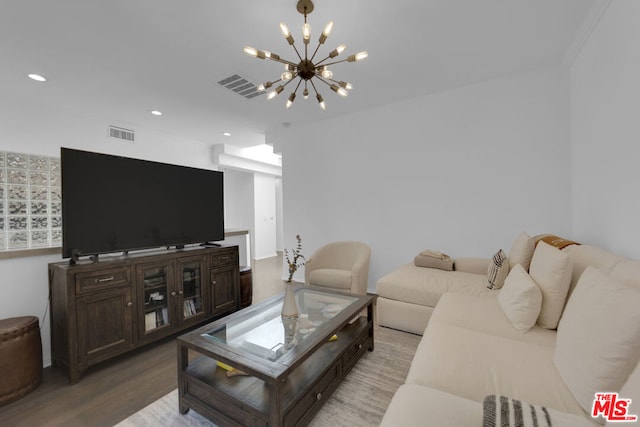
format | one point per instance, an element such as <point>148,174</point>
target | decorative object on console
<point>497,270</point>
<point>294,262</point>
<point>289,306</point>
<point>306,69</point>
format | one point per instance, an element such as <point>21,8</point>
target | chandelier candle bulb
<point>286,76</point>
<point>292,98</point>
<point>306,32</point>
<point>346,85</point>
<point>326,32</point>
<point>250,51</point>
<point>357,57</point>
<point>321,101</point>
<point>275,92</point>
<point>327,74</point>
<point>340,91</point>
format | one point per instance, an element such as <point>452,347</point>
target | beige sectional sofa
<point>475,346</point>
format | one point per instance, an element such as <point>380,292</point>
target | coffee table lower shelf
<point>245,400</point>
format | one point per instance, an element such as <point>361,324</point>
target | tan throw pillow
<point>551,270</point>
<point>522,251</point>
<point>498,270</point>
<point>598,341</point>
<point>520,299</point>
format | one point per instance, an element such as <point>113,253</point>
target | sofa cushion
<point>497,270</point>
<point>522,251</point>
<point>551,270</point>
<point>425,286</point>
<point>520,299</point>
<point>417,406</point>
<point>474,364</point>
<point>631,390</point>
<point>598,342</point>
<point>484,315</point>
<point>331,277</point>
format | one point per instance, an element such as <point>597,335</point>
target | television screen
<point>112,204</point>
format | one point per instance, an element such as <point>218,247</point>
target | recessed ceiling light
<point>156,113</point>
<point>226,134</point>
<point>37,77</point>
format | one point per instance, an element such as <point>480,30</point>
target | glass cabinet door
<point>191,284</point>
<point>156,295</point>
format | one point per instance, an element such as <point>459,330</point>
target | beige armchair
<point>340,265</point>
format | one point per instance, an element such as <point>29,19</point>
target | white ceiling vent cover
<point>241,86</point>
<point>121,133</point>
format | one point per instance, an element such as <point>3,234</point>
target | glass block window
<point>30,201</point>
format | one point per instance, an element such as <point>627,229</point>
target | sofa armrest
<point>472,265</point>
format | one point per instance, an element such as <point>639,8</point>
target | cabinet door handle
<point>359,346</point>
<point>173,294</point>
<point>181,292</point>
<point>318,396</point>
<point>105,279</point>
<point>214,282</point>
<point>129,304</point>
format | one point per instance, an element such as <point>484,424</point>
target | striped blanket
<point>501,411</point>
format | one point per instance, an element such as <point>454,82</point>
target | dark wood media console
<point>105,308</point>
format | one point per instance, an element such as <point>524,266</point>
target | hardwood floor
<point>111,391</point>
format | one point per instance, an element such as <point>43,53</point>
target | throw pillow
<point>520,299</point>
<point>551,269</point>
<point>522,251</point>
<point>498,270</point>
<point>598,341</point>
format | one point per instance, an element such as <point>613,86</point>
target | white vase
<point>289,305</point>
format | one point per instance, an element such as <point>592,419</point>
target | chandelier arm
<point>330,63</point>
<point>320,62</point>
<point>284,61</point>
<point>314,86</point>
<point>316,51</point>
<point>297,86</point>
<point>322,80</point>
<point>297,53</point>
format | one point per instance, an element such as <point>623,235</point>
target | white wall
<point>462,172</point>
<point>605,106</point>
<point>265,215</point>
<point>238,199</point>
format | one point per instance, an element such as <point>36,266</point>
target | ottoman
<point>20,357</point>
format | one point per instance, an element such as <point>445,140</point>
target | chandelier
<point>306,70</point>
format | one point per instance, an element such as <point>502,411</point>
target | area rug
<point>360,400</point>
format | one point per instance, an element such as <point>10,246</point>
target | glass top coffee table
<point>292,365</point>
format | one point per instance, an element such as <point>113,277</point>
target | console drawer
<point>353,353</point>
<point>102,279</point>
<point>223,257</point>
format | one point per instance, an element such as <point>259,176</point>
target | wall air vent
<point>121,133</point>
<point>241,86</point>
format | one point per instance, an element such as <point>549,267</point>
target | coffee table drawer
<point>351,355</point>
<point>315,397</point>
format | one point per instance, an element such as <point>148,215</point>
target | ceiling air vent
<point>241,86</point>
<point>121,133</point>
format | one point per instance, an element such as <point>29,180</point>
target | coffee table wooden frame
<point>287,392</point>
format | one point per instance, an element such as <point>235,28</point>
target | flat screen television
<point>113,204</point>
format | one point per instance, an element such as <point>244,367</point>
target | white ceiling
<point>119,59</point>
